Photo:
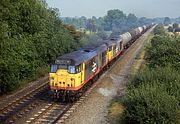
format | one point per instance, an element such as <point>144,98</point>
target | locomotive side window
<point>78,68</point>
<point>71,69</point>
<point>53,68</point>
<point>87,65</point>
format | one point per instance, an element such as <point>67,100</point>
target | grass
<point>115,110</point>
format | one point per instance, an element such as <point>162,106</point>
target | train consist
<point>72,73</point>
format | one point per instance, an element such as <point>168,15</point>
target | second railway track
<point>9,111</point>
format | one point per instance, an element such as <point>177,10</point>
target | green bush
<point>90,39</point>
<point>153,95</point>
<point>164,50</point>
<point>150,104</point>
<point>166,77</point>
<point>159,30</point>
<point>31,37</point>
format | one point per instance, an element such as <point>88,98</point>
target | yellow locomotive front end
<point>66,78</point>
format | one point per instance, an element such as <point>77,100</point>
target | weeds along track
<point>22,104</point>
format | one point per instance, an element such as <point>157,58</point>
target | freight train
<point>72,73</point>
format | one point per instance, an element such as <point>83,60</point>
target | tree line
<point>115,20</point>
<point>31,36</point>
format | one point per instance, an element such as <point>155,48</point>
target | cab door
<point>82,72</point>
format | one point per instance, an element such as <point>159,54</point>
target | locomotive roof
<point>88,52</point>
<point>77,57</point>
<point>97,48</point>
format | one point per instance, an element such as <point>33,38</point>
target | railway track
<point>14,110</point>
<point>50,114</point>
<point>55,112</point>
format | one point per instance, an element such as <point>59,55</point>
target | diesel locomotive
<point>72,73</point>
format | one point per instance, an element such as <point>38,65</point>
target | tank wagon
<point>72,73</point>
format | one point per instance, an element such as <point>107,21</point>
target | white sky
<point>99,8</point>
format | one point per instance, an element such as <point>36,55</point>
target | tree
<point>159,30</point>
<point>91,26</point>
<point>175,25</point>
<point>131,20</point>
<point>31,36</point>
<point>102,35</point>
<point>114,19</point>
<point>170,29</point>
<point>167,21</point>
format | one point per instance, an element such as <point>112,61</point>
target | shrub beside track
<point>153,96</point>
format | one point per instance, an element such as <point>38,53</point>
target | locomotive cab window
<point>74,69</point>
<point>71,69</point>
<point>53,68</point>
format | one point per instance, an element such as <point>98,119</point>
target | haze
<point>141,8</point>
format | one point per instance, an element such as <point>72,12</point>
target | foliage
<point>153,95</point>
<point>175,25</point>
<point>150,104</point>
<point>170,29</point>
<point>167,21</point>
<point>77,35</point>
<point>166,78</point>
<point>115,21</point>
<point>77,22</point>
<point>165,51</point>
<point>177,20</point>
<point>31,36</point>
<point>159,30</point>
<point>91,26</point>
<point>103,35</point>
<point>132,20</point>
<point>91,39</point>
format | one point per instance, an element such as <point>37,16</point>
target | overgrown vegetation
<point>31,36</point>
<point>150,104</point>
<point>159,30</point>
<point>153,95</point>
